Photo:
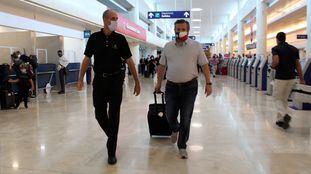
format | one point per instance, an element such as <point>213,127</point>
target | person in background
<point>285,61</point>
<point>110,49</point>
<point>214,63</point>
<point>62,64</point>
<point>25,83</point>
<point>181,57</point>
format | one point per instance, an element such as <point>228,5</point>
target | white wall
<point>52,44</point>
<point>16,40</point>
<point>73,49</point>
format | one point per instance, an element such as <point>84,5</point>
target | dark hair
<point>59,51</point>
<point>281,36</point>
<point>182,21</point>
<point>105,14</point>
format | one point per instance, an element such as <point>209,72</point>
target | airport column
<point>309,29</point>
<point>230,40</point>
<point>134,16</point>
<point>241,46</point>
<point>223,51</point>
<point>219,46</point>
<point>261,33</point>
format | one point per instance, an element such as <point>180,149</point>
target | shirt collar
<point>185,43</point>
<point>102,32</point>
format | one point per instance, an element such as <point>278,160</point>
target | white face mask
<point>113,26</point>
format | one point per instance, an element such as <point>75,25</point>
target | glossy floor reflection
<point>232,132</point>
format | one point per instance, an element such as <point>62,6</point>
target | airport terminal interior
<point>48,123</point>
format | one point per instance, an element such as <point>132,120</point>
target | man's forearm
<point>161,72</point>
<point>207,73</point>
<point>85,64</point>
<point>131,65</point>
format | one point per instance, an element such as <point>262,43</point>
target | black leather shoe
<point>61,92</point>
<point>112,160</point>
<point>285,123</point>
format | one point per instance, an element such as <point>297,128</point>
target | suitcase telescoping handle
<point>155,97</point>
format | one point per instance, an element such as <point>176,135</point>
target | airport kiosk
<point>301,94</point>
<point>262,74</point>
<point>243,70</point>
<point>240,68</point>
<point>236,68</point>
<point>249,70</point>
<point>270,79</point>
<point>254,72</point>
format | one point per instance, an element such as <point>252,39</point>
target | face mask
<point>23,70</point>
<point>113,26</point>
<point>182,36</point>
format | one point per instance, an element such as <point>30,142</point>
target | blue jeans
<point>180,98</point>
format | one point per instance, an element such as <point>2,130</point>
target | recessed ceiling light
<point>196,9</point>
<point>196,20</point>
<point>196,27</point>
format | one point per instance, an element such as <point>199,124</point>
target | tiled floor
<point>232,132</point>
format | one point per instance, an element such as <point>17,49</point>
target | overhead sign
<point>191,37</point>
<point>87,34</point>
<point>302,36</point>
<point>131,29</point>
<point>207,45</point>
<point>168,14</point>
<point>251,46</point>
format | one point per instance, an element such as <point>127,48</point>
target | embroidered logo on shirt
<point>115,46</point>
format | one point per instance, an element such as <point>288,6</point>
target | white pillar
<point>230,42</point>
<point>219,46</point>
<point>261,32</point>
<point>241,46</point>
<point>223,43</point>
<point>309,29</point>
<point>134,17</point>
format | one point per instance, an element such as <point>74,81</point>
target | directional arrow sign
<point>168,14</point>
<point>150,15</point>
<point>186,14</point>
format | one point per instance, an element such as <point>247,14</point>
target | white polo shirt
<point>182,61</point>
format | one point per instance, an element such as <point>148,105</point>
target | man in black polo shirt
<point>285,62</point>
<point>110,50</point>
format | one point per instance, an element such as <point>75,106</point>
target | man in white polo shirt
<point>181,58</point>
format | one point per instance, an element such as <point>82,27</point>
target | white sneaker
<point>183,153</point>
<point>174,137</point>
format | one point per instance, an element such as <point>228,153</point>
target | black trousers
<point>62,74</point>
<point>107,94</point>
<point>23,93</point>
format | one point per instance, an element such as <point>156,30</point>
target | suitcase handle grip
<point>155,97</point>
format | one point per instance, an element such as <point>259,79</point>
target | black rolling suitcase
<point>158,125</point>
<point>7,99</point>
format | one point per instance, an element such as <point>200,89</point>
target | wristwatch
<point>210,84</point>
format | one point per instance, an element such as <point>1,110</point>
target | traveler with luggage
<point>285,62</point>
<point>25,83</point>
<point>62,70</point>
<point>108,49</point>
<point>181,57</point>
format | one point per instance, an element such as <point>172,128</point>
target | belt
<point>105,75</point>
<point>183,84</point>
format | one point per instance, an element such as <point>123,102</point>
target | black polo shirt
<point>288,55</point>
<point>109,51</point>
